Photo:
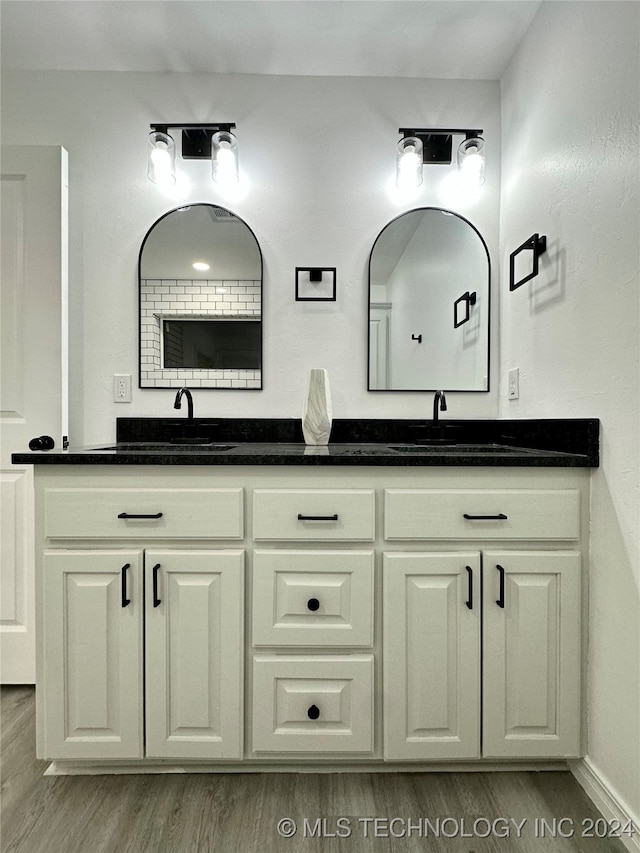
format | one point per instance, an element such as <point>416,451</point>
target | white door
<point>431,639</point>
<point>93,612</point>
<point>379,346</point>
<point>194,653</point>
<point>33,390</point>
<point>531,654</point>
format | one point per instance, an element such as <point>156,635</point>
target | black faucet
<point>178,402</point>
<point>439,405</point>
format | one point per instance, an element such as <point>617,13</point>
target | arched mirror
<point>429,302</point>
<point>200,287</point>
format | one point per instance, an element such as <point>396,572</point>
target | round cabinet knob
<point>313,604</point>
<point>42,442</point>
<point>313,713</point>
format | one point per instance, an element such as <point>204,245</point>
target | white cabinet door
<point>33,367</point>
<point>92,654</point>
<point>431,640</point>
<point>194,653</point>
<point>531,654</point>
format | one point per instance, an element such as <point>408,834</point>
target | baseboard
<point>606,799</point>
<point>98,768</point>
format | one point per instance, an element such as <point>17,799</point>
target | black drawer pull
<point>317,517</point>
<point>156,598</point>
<point>499,517</point>
<point>313,713</point>
<point>134,515</point>
<point>469,601</point>
<point>123,588</point>
<point>313,604</point>
<point>500,599</point>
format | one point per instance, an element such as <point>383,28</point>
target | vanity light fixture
<point>199,142</point>
<point>434,145</point>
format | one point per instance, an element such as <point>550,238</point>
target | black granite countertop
<point>551,443</point>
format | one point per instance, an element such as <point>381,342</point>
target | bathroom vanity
<point>371,605</point>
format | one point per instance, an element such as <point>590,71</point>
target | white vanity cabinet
<point>307,700</point>
<point>530,659</point>
<point>246,616</point>
<point>482,648</point>
<point>117,619</point>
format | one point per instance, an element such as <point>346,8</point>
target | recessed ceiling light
<point>200,265</point>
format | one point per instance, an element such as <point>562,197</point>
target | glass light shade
<point>471,161</point>
<point>409,163</point>
<point>224,157</point>
<point>161,167</point>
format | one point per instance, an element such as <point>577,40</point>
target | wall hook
<point>417,338</point>
<point>537,244</point>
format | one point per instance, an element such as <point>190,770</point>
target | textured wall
<point>317,156</point>
<point>570,171</point>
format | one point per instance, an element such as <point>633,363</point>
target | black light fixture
<point>434,145</point>
<point>199,142</point>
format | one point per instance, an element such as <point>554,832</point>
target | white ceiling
<point>468,39</point>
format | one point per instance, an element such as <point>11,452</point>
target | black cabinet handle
<point>317,517</point>
<point>313,604</point>
<point>313,713</point>
<point>156,599</point>
<point>500,599</point>
<point>123,587</point>
<point>134,515</point>
<point>498,517</point>
<point>469,601</point>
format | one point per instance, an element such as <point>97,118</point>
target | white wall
<point>570,171</point>
<point>317,157</point>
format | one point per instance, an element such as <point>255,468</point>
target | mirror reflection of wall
<point>420,265</point>
<point>200,289</point>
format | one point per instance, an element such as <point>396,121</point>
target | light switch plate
<point>514,383</point>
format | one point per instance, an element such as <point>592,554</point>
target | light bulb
<point>471,161</point>
<point>409,163</point>
<point>161,158</point>
<point>224,158</point>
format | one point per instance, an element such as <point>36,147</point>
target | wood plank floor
<point>239,813</point>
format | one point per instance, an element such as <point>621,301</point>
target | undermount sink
<point>458,449</point>
<point>165,446</point>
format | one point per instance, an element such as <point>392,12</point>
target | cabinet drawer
<point>481,514</point>
<point>166,513</point>
<point>313,598</point>
<point>314,514</point>
<point>313,704</point>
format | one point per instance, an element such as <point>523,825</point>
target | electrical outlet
<point>514,383</point>
<point>122,388</point>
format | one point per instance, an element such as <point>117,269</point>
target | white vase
<point>316,412</point>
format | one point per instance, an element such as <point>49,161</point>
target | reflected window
<point>212,344</point>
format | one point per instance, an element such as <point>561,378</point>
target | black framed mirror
<point>429,304</point>
<point>200,301</point>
